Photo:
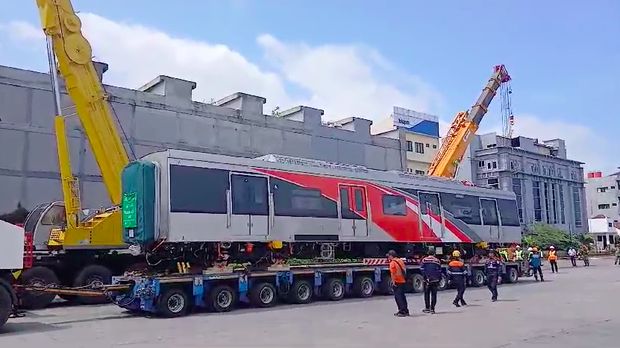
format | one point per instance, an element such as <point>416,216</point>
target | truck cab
<point>11,259</point>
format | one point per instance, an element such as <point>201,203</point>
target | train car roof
<point>311,166</point>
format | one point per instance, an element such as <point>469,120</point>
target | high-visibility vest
<point>552,256</point>
<point>519,255</point>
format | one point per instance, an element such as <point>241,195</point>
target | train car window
<point>198,190</point>
<point>429,199</point>
<point>293,200</point>
<point>509,212</point>
<point>394,205</point>
<point>463,207</point>
<point>360,203</point>
<point>345,207</point>
<point>410,191</point>
<point>489,212</point>
<point>249,195</point>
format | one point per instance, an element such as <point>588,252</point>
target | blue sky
<point>563,55</point>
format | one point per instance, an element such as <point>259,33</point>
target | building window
<point>420,172</point>
<point>480,164</point>
<point>489,165</point>
<point>419,147</point>
<point>428,145</point>
<point>517,189</point>
<point>554,202</point>
<point>604,206</point>
<point>409,146</point>
<point>601,189</point>
<point>409,170</point>
<point>561,196</point>
<point>434,146</point>
<point>577,202</point>
<point>493,183</point>
<point>610,224</point>
<point>614,204</point>
<point>547,202</point>
<point>612,187</point>
<point>494,165</point>
<point>537,205</point>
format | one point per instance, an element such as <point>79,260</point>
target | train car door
<point>430,213</point>
<point>249,207</point>
<point>353,211</point>
<point>490,217</point>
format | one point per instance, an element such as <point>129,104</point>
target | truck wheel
<point>38,276</point>
<point>222,298</point>
<point>417,281</point>
<point>6,305</point>
<point>477,278</point>
<point>512,275</point>
<point>263,295</point>
<point>333,289</point>
<point>301,292</point>
<point>443,283</point>
<point>173,303</point>
<point>386,286</point>
<point>363,287</point>
<point>93,276</point>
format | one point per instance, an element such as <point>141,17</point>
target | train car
<point>196,205</point>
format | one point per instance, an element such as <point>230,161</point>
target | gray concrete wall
<point>160,115</point>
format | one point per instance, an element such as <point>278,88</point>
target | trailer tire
<point>512,275</point>
<point>301,292</point>
<point>386,287</point>
<point>6,305</point>
<point>39,276</point>
<point>334,289</point>
<point>263,295</point>
<point>477,278</point>
<point>93,275</point>
<point>222,298</point>
<point>173,303</point>
<point>443,283</point>
<point>363,287</point>
<point>417,283</point>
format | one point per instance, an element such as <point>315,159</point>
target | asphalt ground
<point>578,307</point>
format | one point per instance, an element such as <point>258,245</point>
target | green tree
<point>543,235</point>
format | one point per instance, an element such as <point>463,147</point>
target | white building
<point>604,231</point>
<point>603,195</point>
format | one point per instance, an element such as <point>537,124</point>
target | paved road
<point>575,308</point>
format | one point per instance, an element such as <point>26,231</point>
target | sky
<point>361,57</point>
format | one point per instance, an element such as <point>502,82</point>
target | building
<point>548,185</point>
<point>603,195</point>
<point>604,231</point>
<point>161,115</point>
<point>420,132</point>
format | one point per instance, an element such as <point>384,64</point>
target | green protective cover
<point>138,204</point>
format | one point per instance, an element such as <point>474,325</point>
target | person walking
<point>493,269</point>
<point>584,251</point>
<point>553,259</point>
<point>617,262</point>
<point>398,272</point>
<point>572,253</point>
<point>431,271</point>
<point>536,264</point>
<point>458,275</point>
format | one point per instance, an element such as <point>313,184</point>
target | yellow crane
<point>464,127</point>
<point>77,250</point>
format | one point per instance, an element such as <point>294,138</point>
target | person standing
<point>553,259</point>
<point>572,253</point>
<point>536,264</point>
<point>617,262</point>
<point>493,269</point>
<point>431,271</point>
<point>584,251</point>
<point>398,272</point>
<point>458,275</point>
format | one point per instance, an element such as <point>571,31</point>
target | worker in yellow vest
<point>519,253</point>
<point>553,259</point>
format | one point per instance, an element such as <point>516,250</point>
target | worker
<point>585,251</point>
<point>518,254</point>
<point>504,255</point>
<point>398,272</point>
<point>572,253</point>
<point>617,262</point>
<point>536,264</point>
<point>553,259</point>
<point>493,269</point>
<point>431,271</point>
<point>458,275</point>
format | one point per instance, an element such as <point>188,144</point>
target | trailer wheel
<point>443,283</point>
<point>6,305</point>
<point>333,289</point>
<point>363,287</point>
<point>477,278</point>
<point>263,295</point>
<point>38,276</point>
<point>513,275</point>
<point>386,287</point>
<point>173,303</point>
<point>301,292</point>
<point>417,281</point>
<point>93,276</point>
<point>222,298</point>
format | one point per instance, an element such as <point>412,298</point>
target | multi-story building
<point>603,195</point>
<point>548,185</point>
<point>420,133</point>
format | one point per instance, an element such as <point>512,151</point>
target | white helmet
<point>529,249</point>
<point>552,247</point>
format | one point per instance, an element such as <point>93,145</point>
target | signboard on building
<point>415,121</point>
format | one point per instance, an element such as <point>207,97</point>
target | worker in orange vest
<point>398,272</point>
<point>553,259</point>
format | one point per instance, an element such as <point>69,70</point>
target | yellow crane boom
<point>464,126</point>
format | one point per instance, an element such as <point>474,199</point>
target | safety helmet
<point>552,247</point>
<point>518,246</point>
<point>456,253</point>
<point>535,249</point>
<point>529,249</point>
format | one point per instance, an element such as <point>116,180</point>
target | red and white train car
<point>197,200</point>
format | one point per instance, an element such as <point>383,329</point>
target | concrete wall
<point>159,115</point>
